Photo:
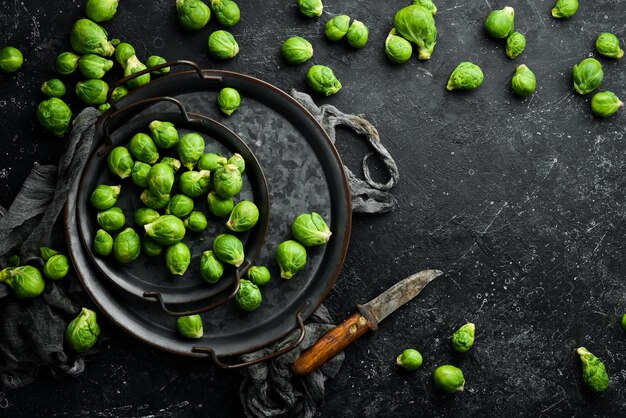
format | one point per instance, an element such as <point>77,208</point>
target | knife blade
<point>366,318</point>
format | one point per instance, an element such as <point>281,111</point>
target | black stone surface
<point>520,201</point>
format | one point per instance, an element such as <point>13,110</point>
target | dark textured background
<point>521,202</point>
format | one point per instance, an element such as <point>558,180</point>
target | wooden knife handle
<point>331,344</point>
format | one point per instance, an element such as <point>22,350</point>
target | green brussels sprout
<point>172,163</point>
<point>190,326</point>
<point>228,100</point>
<point>357,34</point>
<point>337,27</point>
<point>588,75</point>
<point>426,4</point>
<point>164,134</point>
<point>291,257</point>
<point>196,221</point>
<point>111,219</point>
<point>101,10</point>
<point>594,373</point>
<point>244,216</point>
<point>133,65</point>
<point>161,180</point>
<point>321,79</point>
<point>56,267</point>
<point>190,149</point>
<point>118,93</point>
<point>120,162</point>
<point>104,196</point>
<point>237,160</point>
<point>524,82</point>
<point>166,230</point>
<point>227,181</point>
<point>192,14</point>
<point>607,44</point>
<point>140,174</point>
<point>310,230</point>
<point>88,37</point>
<point>310,8</point>
<point>54,115</point>
<point>94,66</point>
<point>229,249</point>
<point>26,281</point>
<point>123,52</point>
<point>83,332</point>
<point>222,45</point>
<point>144,216</point>
<point>211,269</point>
<point>92,92</point>
<point>104,107</point>
<point>398,49</point>
<point>211,161</point>
<point>179,206</point>
<point>565,9</point>
<point>410,359</point>
<point>11,59</point>
<point>463,339</point>
<point>416,24</point>
<point>249,296</point>
<point>195,183</point>
<point>297,50</point>
<point>46,253</point>
<point>177,258</point>
<point>153,61</point>
<point>143,148</point>
<point>220,206</point>
<point>66,63</point>
<point>623,323</point>
<point>150,247</point>
<point>103,243</point>
<point>259,275</point>
<point>226,11</point>
<point>154,200</point>
<point>605,104</point>
<point>466,76</point>
<point>127,246</point>
<point>53,88</point>
<point>449,379</point>
<point>501,23</point>
<point>515,45</point>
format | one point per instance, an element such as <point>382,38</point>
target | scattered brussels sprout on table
<point>140,174</point>
<point>426,4</point>
<point>66,63</point>
<point>565,9</point>
<point>594,372</point>
<point>120,162</point>
<point>410,359</point>
<point>54,115</point>
<point>501,23</point>
<point>222,45</point>
<point>92,92</point>
<point>103,243</point>
<point>164,134</point>
<point>211,161</point>
<point>226,12</point>
<point>310,230</point>
<point>177,258</point>
<point>196,221</point>
<point>87,37</point>
<point>357,34</point>
<point>321,79</point>
<point>195,183</point>
<point>153,61</point>
<point>166,230</point>
<point>416,24</point>
<point>133,65</point>
<point>101,10</point>
<point>449,379</point>
<point>220,206</point>
<point>398,49</point>
<point>123,52</point>
<point>94,66</point>
<point>192,14</point>
<point>259,275</point>
<point>337,27</point>
<point>190,326</point>
<point>211,269</point>
<point>57,266</point>
<point>588,75</point>
<point>179,206</point>
<point>244,216</point>
<point>297,50</point>
<point>190,149</point>
<point>229,249</point>
<point>463,339</point>
<point>83,332</point>
<point>310,8</point>
<point>227,181</point>
<point>466,76</point>
<point>105,196</point>
<point>53,88</point>
<point>26,281</point>
<point>111,219</point>
<point>228,100</point>
<point>249,296</point>
<point>515,45</point>
<point>607,45</point>
<point>150,247</point>
<point>127,246</point>
<point>11,59</point>
<point>291,257</point>
<point>524,82</point>
<point>605,104</point>
<point>143,148</point>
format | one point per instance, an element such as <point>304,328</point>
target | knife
<point>364,319</point>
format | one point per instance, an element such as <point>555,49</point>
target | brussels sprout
<point>416,24</point>
<point>94,66</point>
<point>310,8</point>
<point>229,249</point>
<point>161,180</point>
<point>88,37</point>
<point>259,275</point>
<point>190,326</point>
<point>164,134</point>
<point>243,217</point>
<point>177,258</point>
<point>195,183</point>
<point>142,147</point>
<point>140,174</point>
<point>623,322</point>
<point>605,104</point>
<point>66,63</point>
<point>226,11</point>
<point>11,59</point>
<point>249,296</point>
<point>463,339</point>
<point>220,206</point>
<point>56,267</point>
<point>524,82</point>
<point>83,332</point>
<point>228,100</point>
<point>154,200</point>
<point>101,10</point>
<point>297,50</point>
<point>337,27</point>
<point>192,14</point>
<point>227,181</point>
<point>426,4</point>
<point>310,230</point>
<point>565,9</point>
<point>53,88</point>
<point>449,379</point>
<point>150,247</point>
<point>92,92</point>
<point>211,162</point>
<point>398,49</point>
<point>211,269</point>
<point>594,373</point>
<point>111,219</point>
<point>501,23</point>
<point>466,76</point>
<point>172,163</point>
<point>54,115</point>
<point>166,230</point>
<point>291,257</point>
<point>222,45</point>
<point>588,75</point>
<point>133,65</point>
<point>104,107</point>
<point>515,45</point>
<point>357,34</point>
<point>104,196</point>
<point>46,254</point>
<point>127,246</point>
<point>26,281</point>
<point>607,44</point>
<point>410,359</point>
<point>145,216</point>
<point>196,221</point>
<point>120,162</point>
<point>118,93</point>
<point>179,206</point>
<point>190,149</point>
<point>153,61</point>
<point>237,160</point>
<point>321,79</point>
<point>123,52</point>
<point>103,243</point>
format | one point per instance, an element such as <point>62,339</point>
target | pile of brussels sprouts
<point>412,25</point>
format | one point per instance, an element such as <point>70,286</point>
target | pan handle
<point>270,356</point>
